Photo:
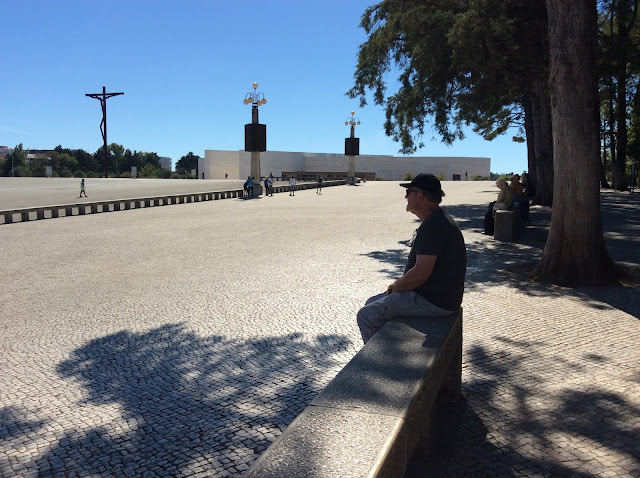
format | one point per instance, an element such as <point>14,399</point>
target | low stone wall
<point>78,209</point>
<point>381,409</point>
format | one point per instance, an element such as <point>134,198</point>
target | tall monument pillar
<point>352,147</point>
<point>255,135</point>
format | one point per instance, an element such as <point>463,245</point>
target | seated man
<point>433,281</point>
<point>518,196</point>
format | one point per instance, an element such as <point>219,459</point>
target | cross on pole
<point>103,124</point>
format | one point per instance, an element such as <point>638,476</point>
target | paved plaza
<point>181,340</point>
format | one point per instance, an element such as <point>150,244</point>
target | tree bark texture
<point>575,251</point>
<point>531,155</point>
<point>542,142</point>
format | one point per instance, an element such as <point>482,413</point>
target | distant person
<point>319,190</point>
<point>266,186</point>
<point>505,196</point>
<point>518,197</point>
<point>271,181</point>
<point>292,186</point>
<point>226,175</point>
<point>433,281</point>
<point>82,190</point>
<point>465,176</point>
<point>516,185</point>
<point>250,186</point>
<point>504,201</point>
<point>245,193</point>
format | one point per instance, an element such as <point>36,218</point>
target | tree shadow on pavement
<point>187,402</point>
<point>524,417</point>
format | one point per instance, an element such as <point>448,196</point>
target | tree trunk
<point>531,156</point>
<point>542,142</point>
<point>618,167</point>
<point>575,252</point>
<point>603,176</point>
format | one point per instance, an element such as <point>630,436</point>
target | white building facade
<point>237,165</point>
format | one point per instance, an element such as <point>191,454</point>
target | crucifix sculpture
<point>103,124</point>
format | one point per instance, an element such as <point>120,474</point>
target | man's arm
<point>416,276</point>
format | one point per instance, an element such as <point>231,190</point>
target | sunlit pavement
<point>181,341</point>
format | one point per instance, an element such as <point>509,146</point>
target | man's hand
<point>390,289</point>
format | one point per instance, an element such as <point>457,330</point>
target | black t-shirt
<point>440,236</point>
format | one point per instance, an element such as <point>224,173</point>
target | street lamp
<point>352,146</point>
<point>255,134</point>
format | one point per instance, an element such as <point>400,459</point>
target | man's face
<point>413,200</point>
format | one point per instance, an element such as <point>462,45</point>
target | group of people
<point>268,185</point>
<point>510,194</point>
<point>269,182</point>
<point>248,187</point>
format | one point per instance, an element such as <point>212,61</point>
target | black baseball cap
<point>426,182</point>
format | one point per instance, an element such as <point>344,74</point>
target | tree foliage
<point>65,161</point>
<point>14,160</point>
<point>482,63</point>
<point>187,163</point>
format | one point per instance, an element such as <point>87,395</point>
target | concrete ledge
<point>27,214</point>
<point>380,408</point>
<point>507,224</point>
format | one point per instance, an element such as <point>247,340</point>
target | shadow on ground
<point>538,434</point>
<point>185,400</point>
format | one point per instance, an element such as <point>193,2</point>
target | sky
<point>185,67</point>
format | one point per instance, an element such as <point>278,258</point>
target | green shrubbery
<point>408,177</point>
<point>163,173</point>
<point>92,174</point>
<point>66,174</point>
<point>79,174</point>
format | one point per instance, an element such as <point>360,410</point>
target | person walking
<point>319,190</point>
<point>433,281</point>
<point>82,190</point>
<point>292,186</point>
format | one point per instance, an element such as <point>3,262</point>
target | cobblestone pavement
<point>182,341</point>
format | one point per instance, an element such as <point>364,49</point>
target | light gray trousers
<point>381,308</point>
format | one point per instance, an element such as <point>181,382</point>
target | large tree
<point>482,62</point>
<point>187,163</point>
<point>14,160</point>
<point>575,251</point>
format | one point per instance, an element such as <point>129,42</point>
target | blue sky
<point>185,67</point>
